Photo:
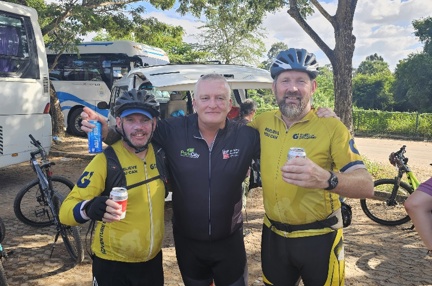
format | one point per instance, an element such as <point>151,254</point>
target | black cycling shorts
<point>107,272</point>
<point>223,261</point>
<point>317,260</point>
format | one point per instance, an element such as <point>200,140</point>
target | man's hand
<point>305,173</point>
<point>103,209</point>
<point>326,112</point>
<point>89,114</point>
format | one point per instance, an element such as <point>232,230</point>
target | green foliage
<point>272,54</point>
<point>402,124</point>
<point>423,29</point>
<point>373,91</point>
<point>229,37</point>
<point>324,95</point>
<point>372,65</point>
<point>413,85</point>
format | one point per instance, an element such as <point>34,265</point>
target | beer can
<point>120,196</point>
<point>95,137</point>
<point>296,152</point>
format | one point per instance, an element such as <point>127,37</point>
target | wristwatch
<point>333,181</point>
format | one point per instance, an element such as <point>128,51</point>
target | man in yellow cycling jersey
<point>302,231</point>
<point>126,251</point>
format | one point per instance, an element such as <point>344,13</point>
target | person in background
<point>302,232</point>
<point>126,251</point>
<point>419,208</point>
<point>247,112</point>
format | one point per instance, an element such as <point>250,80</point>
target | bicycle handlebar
<point>38,145</point>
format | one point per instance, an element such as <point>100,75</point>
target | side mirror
<point>103,105</point>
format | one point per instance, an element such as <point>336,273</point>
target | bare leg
<point>419,207</point>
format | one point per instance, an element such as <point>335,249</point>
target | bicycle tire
<point>2,231</point>
<point>3,280</point>
<point>377,209</point>
<point>30,205</point>
<point>70,234</point>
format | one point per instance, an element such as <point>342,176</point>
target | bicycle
<point>38,203</point>
<point>3,254</point>
<point>386,207</point>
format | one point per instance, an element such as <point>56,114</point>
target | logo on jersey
<point>304,136</point>
<point>130,170</point>
<point>189,153</point>
<point>271,133</point>
<point>84,180</point>
<point>226,154</point>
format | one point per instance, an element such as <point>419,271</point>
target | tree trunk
<point>57,119</point>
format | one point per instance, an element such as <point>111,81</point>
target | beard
<point>291,110</point>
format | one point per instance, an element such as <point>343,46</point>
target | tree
<point>341,56</point>
<point>373,91</point>
<point>372,65</point>
<point>413,85</point>
<point>272,54</point>
<point>229,37</point>
<point>372,84</point>
<point>324,96</point>
<point>423,30</point>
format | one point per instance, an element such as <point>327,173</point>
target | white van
<point>24,80</point>
<point>173,85</point>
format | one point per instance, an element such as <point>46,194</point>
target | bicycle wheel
<point>378,209</point>
<point>70,234</point>
<point>30,205</point>
<point>2,231</point>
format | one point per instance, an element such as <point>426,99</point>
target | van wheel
<point>74,123</point>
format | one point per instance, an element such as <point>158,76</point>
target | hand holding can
<point>95,137</point>
<point>120,196</point>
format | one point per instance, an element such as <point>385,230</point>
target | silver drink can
<point>296,152</point>
<point>120,196</point>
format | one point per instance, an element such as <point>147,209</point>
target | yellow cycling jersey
<point>136,238</point>
<point>327,142</point>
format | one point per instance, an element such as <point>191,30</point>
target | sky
<point>380,26</point>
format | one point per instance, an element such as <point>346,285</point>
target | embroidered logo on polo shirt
<point>189,153</point>
<point>226,154</point>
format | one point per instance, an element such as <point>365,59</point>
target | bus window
<point>25,99</point>
<point>86,78</point>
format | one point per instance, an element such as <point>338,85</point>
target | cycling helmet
<point>294,59</point>
<point>137,100</point>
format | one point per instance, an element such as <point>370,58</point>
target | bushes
<point>399,124</point>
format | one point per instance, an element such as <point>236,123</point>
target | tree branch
<point>294,12</point>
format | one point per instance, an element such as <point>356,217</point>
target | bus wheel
<point>74,123</point>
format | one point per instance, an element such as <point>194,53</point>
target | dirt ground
<point>375,254</point>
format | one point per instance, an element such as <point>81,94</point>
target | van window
<point>18,55</point>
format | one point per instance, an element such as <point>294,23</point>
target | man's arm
<point>305,173</point>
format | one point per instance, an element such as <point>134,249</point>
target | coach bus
<point>85,77</point>
<point>24,80</point>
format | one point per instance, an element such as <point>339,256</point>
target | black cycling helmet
<point>134,99</point>
<point>295,59</point>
